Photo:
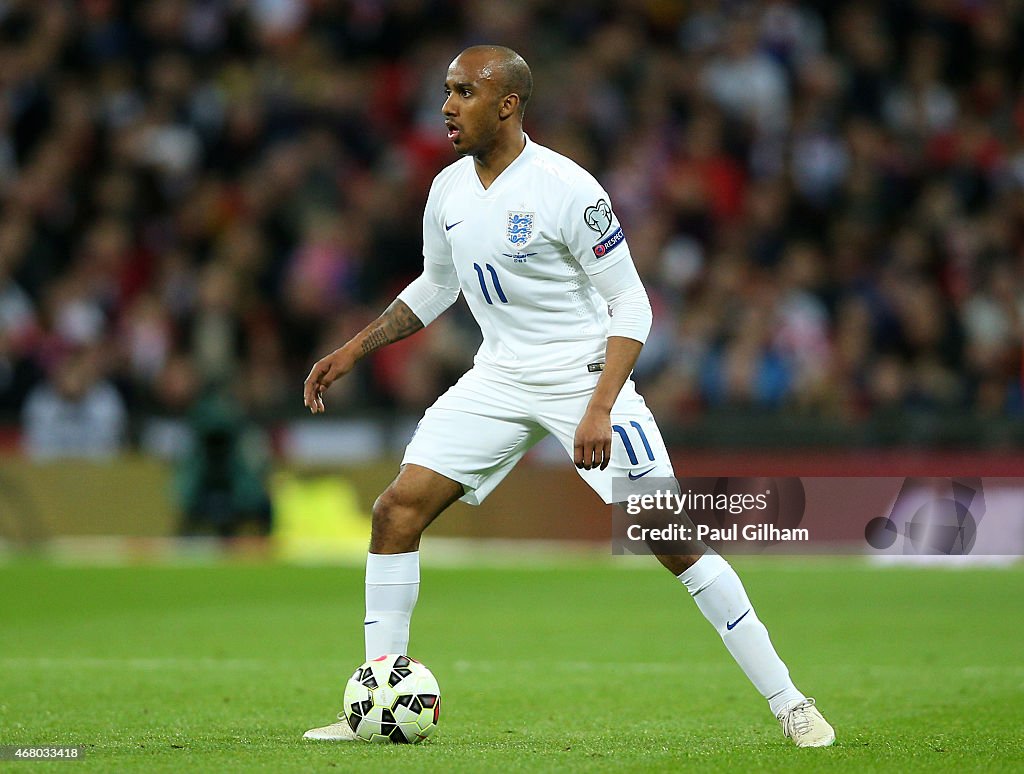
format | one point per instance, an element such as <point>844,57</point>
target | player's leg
<point>414,499</point>
<point>466,443</point>
<point>639,455</point>
<point>721,597</point>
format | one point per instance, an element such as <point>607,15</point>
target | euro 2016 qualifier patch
<point>598,217</point>
<point>519,228</point>
<point>614,239</point>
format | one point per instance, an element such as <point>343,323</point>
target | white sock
<point>718,592</point>
<point>392,586</point>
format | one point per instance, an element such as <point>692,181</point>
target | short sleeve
<point>438,286</point>
<point>590,229</point>
<point>436,248</point>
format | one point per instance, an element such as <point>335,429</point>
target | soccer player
<point>532,241</point>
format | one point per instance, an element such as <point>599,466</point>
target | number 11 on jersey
<point>494,279</point>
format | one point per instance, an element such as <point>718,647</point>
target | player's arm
<point>593,235</point>
<point>417,306</point>
<point>630,307</point>
<point>397,322</point>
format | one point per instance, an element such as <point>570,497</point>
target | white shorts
<point>482,426</point>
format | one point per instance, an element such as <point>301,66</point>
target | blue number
<point>494,279</point>
<point>497,285</point>
<point>643,437</point>
<point>483,287</point>
<point>629,445</point>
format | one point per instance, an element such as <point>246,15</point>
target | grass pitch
<point>586,667</point>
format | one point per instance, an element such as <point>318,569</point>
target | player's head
<point>487,90</point>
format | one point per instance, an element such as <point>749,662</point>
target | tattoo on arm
<point>374,340</point>
<point>397,322</point>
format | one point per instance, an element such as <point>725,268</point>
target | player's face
<point>472,105</point>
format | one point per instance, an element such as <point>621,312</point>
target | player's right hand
<point>322,375</point>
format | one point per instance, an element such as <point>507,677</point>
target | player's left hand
<point>592,444</point>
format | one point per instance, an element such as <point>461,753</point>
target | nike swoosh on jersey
<point>453,225</point>
<point>640,475</point>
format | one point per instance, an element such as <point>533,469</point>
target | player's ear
<point>509,107</point>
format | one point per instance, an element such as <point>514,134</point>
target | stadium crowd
<point>825,199</point>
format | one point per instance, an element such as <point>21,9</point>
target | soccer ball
<point>392,699</point>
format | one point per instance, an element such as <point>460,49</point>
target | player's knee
<point>395,522</point>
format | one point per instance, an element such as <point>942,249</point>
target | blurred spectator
<point>221,480</point>
<point>76,413</point>
<point>18,329</point>
<point>748,84</point>
<point>920,104</point>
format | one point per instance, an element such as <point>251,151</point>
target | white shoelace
<point>798,718</point>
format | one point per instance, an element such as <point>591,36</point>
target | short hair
<point>512,73</point>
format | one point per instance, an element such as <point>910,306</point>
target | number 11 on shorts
<point>633,460</point>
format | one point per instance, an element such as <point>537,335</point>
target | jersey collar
<point>518,161</point>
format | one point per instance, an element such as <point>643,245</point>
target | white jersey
<point>524,251</point>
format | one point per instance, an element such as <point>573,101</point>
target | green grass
<point>588,667</point>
